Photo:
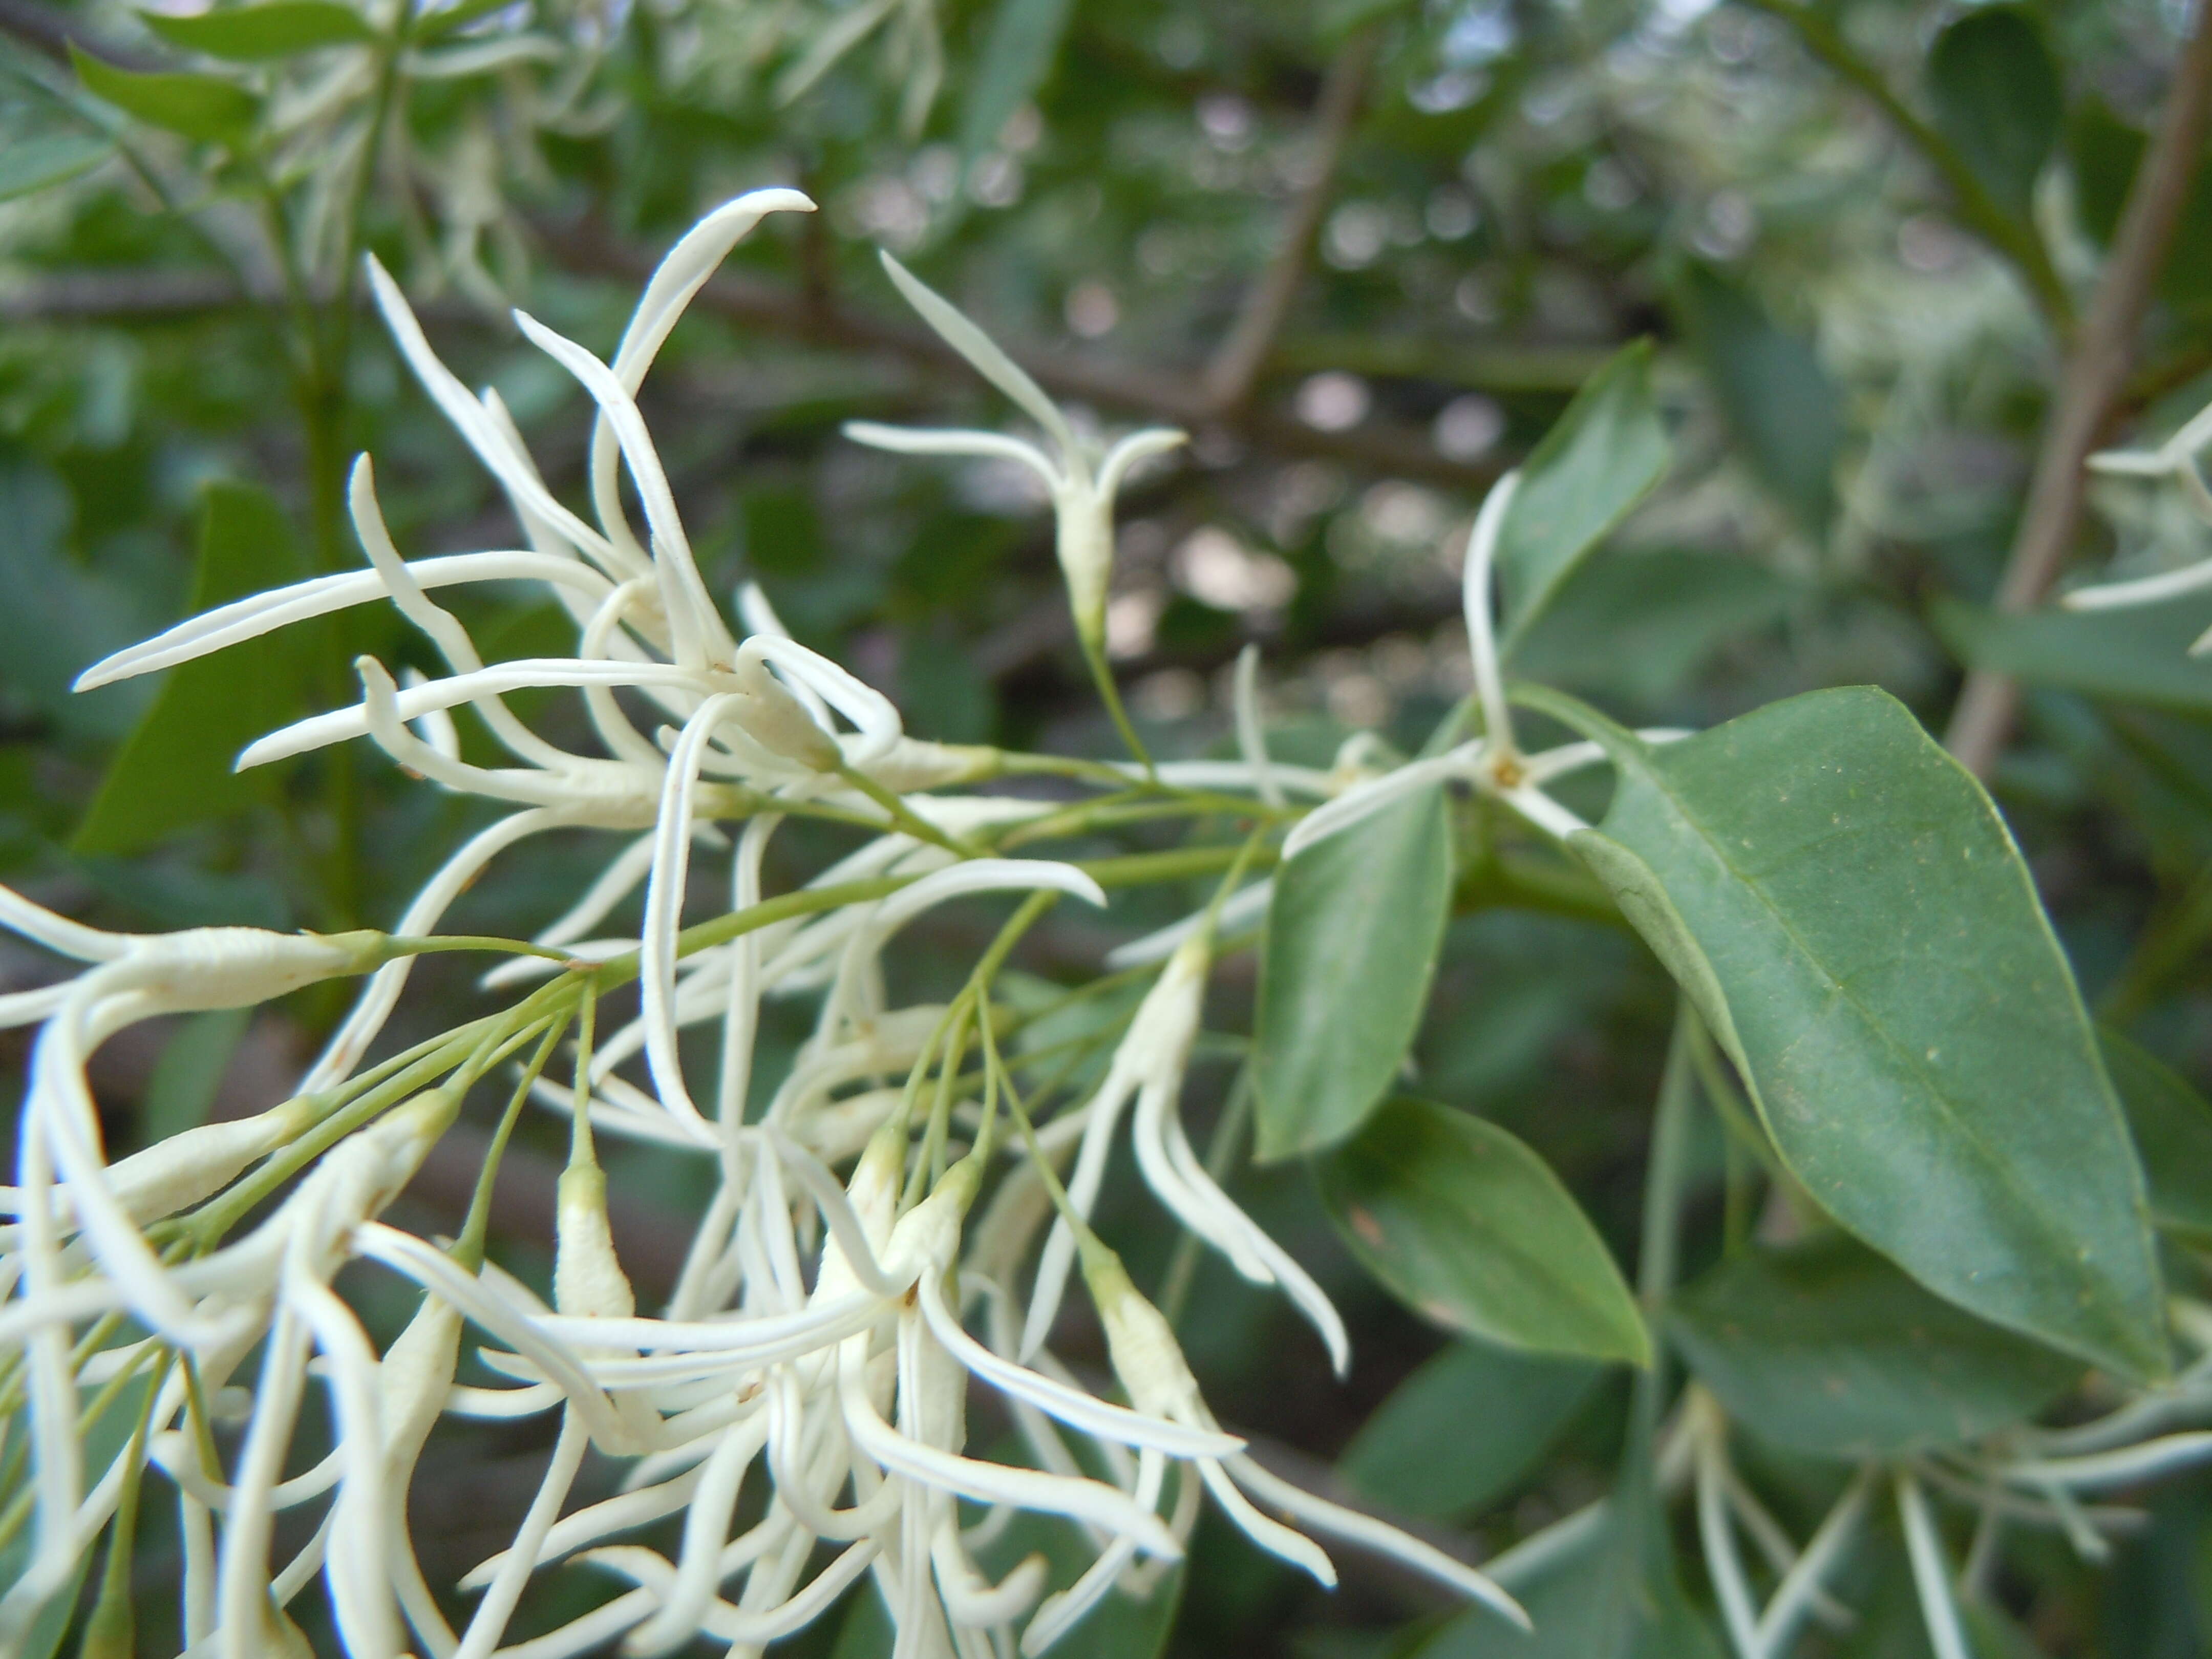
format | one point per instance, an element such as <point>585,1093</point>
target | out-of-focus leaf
<point>83,612</point>
<point>1997,99</point>
<point>201,106</point>
<point>103,1440</point>
<point>2137,654</point>
<point>30,165</point>
<point>174,768</point>
<point>181,1093</point>
<point>1465,1429</point>
<point>1018,55</point>
<point>250,34</point>
<point>1784,408</point>
<point>1613,1592</point>
<point>2172,1125</point>
<point>1352,935</point>
<point>2103,153</point>
<point>1469,1228</point>
<point>1638,625</point>
<point>1824,1347</point>
<point>451,19</point>
<point>1604,455</point>
<point>1849,913</point>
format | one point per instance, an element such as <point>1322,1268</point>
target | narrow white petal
<point>983,352</point>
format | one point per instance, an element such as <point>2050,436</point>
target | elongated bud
<point>588,1276</point>
<point>178,1173</point>
<point>207,967</point>
<point>413,1378</point>
<point>928,1235</point>
<point>1083,521</point>
<point>1141,1342</point>
<point>778,721</point>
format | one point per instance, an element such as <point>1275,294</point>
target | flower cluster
<point>872,1247</point>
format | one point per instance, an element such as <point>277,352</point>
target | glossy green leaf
<point>2173,1127</point>
<point>1018,52</point>
<point>1352,935</point>
<point>1466,1428</point>
<point>1605,454</point>
<point>1826,1347</point>
<point>248,34</point>
<point>1782,405</point>
<point>32,164</point>
<point>1997,99</point>
<point>200,107</point>
<point>2139,654</point>
<point>174,768</point>
<point>1469,1227</point>
<point>1847,910</point>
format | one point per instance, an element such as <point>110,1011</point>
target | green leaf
<point>200,107</point>
<point>174,768</point>
<point>1352,935</point>
<point>1826,1347</point>
<point>1465,1429</point>
<point>1997,98</point>
<point>30,165</point>
<point>1638,625</point>
<point>1784,408</point>
<point>1018,56</point>
<point>1605,454</point>
<point>252,35</point>
<point>2172,1125</point>
<point>1469,1228</point>
<point>1847,910</point>
<point>2137,654</point>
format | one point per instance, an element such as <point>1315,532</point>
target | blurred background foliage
<point>1366,251</point>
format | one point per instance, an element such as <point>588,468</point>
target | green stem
<point>1659,1260</point>
<point>1102,676</point>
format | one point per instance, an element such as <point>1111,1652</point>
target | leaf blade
<point>1469,1227</point>
<point>200,106</point>
<point>1602,456</point>
<point>1851,918</point>
<point>1353,932</point>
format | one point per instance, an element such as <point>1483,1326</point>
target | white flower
<point>1082,484</point>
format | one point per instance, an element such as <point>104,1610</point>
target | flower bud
<point>587,1275</point>
<point>206,968</point>
<point>175,1173</point>
<point>1141,1342</point>
<point>779,722</point>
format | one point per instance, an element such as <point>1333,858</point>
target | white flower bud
<point>206,968</point>
<point>1140,1343</point>
<point>177,1173</point>
<point>775,718</point>
<point>587,1275</point>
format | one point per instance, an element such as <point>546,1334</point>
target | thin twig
<point>1235,368</point>
<point>2096,374</point>
<point>1971,203</point>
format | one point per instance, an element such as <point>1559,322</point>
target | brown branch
<point>2096,374</point>
<point>1235,368</point>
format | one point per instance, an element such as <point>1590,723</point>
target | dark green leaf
<point>1469,1227</point>
<point>1018,56</point>
<point>1826,1347</point>
<point>2136,654</point>
<point>30,165</point>
<point>1997,99</point>
<point>1352,942</point>
<point>1784,408</point>
<point>248,34</point>
<point>174,768</point>
<point>1465,1429</point>
<point>196,105</point>
<point>2172,1125</point>
<point>1847,910</point>
<point>2103,153</point>
<point>1639,624</point>
<point>1604,455</point>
